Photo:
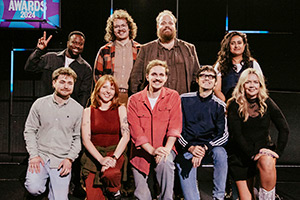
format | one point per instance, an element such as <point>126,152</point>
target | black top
<point>41,61</point>
<point>247,138</point>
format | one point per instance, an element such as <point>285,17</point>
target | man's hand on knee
<point>66,166</point>
<point>197,151</point>
<point>34,164</point>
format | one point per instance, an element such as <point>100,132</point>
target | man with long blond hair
<point>119,54</point>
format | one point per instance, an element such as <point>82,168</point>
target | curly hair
<point>95,98</point>
<point>119,14</point>
<point>239,95</point>
<point>225,56</point>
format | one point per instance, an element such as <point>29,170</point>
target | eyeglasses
<point>209,76</point>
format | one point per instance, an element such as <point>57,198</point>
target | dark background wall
<point>201,22</point>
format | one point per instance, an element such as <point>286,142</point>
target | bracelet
<point>268,154</point>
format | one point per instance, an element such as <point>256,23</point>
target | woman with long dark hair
<point>233,58</point>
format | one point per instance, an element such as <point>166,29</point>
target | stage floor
<point>12,179</point>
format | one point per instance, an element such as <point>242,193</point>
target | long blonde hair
<point>239,95</point>
<point>95,98</point>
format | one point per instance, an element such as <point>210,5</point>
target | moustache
<point>167,28</point>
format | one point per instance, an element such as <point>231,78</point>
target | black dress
<point>247,138</point>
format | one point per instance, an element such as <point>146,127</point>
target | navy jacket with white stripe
<point>204,121</point>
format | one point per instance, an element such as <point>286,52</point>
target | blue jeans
<point>188,174</point>
<point>58,186</point>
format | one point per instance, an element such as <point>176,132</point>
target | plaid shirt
<point>105,60</point>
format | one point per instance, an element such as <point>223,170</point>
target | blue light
<point>111,7</point>
<point>19,49</point>
<point>256,32</point>
<point>45,14</point>
<point>12,71</point>
<point>226,23</point>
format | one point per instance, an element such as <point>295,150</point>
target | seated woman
<point>105,135</point>
<point>233,58</point>
<point>250,149</point>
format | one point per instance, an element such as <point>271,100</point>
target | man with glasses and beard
<point>180,56</point>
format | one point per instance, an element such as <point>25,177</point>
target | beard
<point>63,96</point>
<point>166,37</point>
<point>71,54</point>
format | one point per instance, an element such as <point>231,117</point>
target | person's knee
<point>35,188</point>
<point>219,153</point>
<point>111,174</point>
<point>166,164</point>
<point>266,163</point>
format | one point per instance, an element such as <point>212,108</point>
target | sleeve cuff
<point>141,140</point>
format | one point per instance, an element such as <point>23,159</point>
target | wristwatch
<point>114,157</point>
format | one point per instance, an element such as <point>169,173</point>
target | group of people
<point>176,114</point>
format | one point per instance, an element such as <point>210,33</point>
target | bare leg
<point>267,172</point>
<point>244,188</point>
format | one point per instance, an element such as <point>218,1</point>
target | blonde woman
<point>250,149</point>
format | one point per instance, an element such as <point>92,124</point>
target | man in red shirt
<point>155,121</point>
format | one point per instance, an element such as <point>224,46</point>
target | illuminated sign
<point>44,14</point>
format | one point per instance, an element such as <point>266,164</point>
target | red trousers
<point>111,179</point>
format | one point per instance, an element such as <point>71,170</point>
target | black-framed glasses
<point>209,76</point>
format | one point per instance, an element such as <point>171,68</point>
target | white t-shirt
<point>239,67</point>
<point>152,102</point>
<point>68,61</point>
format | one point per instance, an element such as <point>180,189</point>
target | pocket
<point>164,112</point>
<point>144,118</point>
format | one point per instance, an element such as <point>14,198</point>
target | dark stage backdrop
<point>201,22</point>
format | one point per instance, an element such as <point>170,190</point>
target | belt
<point>123,90</point>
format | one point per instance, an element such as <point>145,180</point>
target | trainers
<point>116,195</point>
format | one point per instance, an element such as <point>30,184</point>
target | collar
<point>79,59</point>
<point>133,43</point>
<point>127,44</point>
<point>54,101</point>
<point>204,98</point>
<point>162,47</point>
<point>143,97</point>
<point>256,100</point>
